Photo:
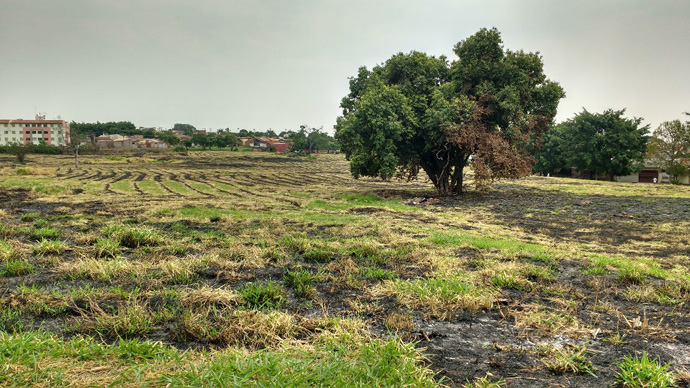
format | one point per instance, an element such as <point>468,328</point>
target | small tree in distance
<point>19,150</point>
<point>669,148</point>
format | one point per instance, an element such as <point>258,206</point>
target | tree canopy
<point>595,144</point>
<point>417,111</point>
<point>187,129</point>
<point>111,127</point>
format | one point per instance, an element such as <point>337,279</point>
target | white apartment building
<point>53,132</point>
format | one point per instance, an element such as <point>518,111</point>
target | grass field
<point>247,269</point>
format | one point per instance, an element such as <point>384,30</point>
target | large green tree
<point>604,143</point>
<point>550,157</point>
<point>669,147</point>
<point>418,112</point>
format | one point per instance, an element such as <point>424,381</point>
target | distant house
<point>151,143</point>
<point>652,173</point>
<point>246,140</point>
<point>277,145</point>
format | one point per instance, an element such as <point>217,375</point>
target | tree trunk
<point>446,176</point>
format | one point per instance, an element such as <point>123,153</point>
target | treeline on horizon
<point>304,138</point>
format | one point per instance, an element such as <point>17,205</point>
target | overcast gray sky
<point>278,64</point>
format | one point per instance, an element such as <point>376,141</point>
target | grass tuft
<point>644,373</point>
<point>259,296</point>
<point>301,280</point>
<point>18,267</point>
<point>569,360</point>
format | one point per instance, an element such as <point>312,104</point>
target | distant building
<point>53,132</point>
<point>652,173</point>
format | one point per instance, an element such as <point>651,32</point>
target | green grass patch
<point>177,187</point>
<point>133,236</point>
<point>7,251</point>
<point>50,247</point>
<point>259,296</point>
<point>123,186</point>
<point>107,247</point>
<point>377,274</point>
<point>45,233</point>
<point>151,187</point>
<point>203,187</point>
<point>30,217</point>
<point>301,280</point>
<point>441,295</point>
<point>17,268</point>
<point>318,255</point>
<point>504,244</point>
<point>644,373</point>
<point>10,322</point>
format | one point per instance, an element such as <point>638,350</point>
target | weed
<point>485,382</point>
<point>615,338</point>
<point>375,273</point>
<point>7,251</point>
<point>510,280</point>
<point>17,268</point>
<point>569,360</point>
<point>301,280</point>
<point>30,217</point>
<point>45,234</point>
<point>644,373</point>
<point>50,247</point>
<point>631,275</point>
<point>7,231</point>
<point>178,249</point>
<point>296,245</point>
<point>263,295</point>
<point>41,223</point>
<point>317,255</point>
<point>10,321</point>
<point>442,295</point>
<point>136,349</point>
<point>133,236</point>
<point>107,247</point>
